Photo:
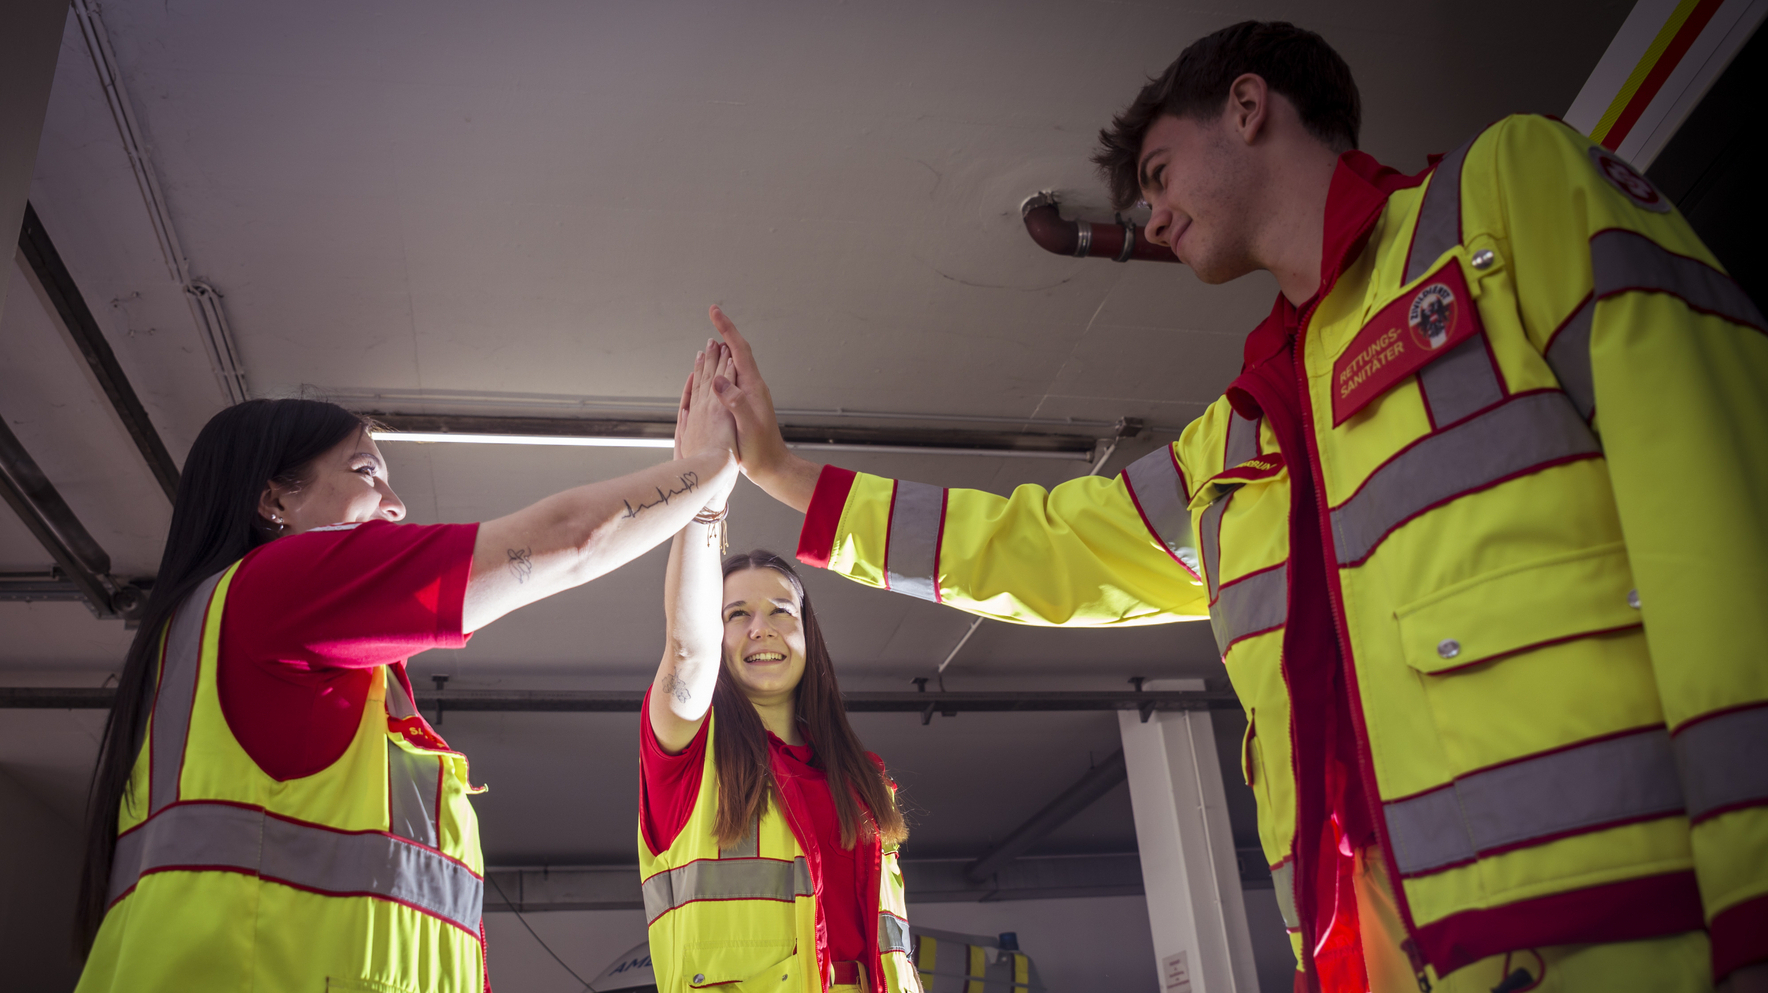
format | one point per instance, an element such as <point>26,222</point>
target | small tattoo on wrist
<point>690,481</point>
<point>521,564</point>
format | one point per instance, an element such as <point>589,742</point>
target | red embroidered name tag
<point>1410,333</point>
<point>1262,467</point>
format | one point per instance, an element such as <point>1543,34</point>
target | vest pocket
<point>1527,606</point>
<point>730,965</point>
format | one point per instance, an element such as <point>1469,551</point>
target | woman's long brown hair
<point>863,800</point>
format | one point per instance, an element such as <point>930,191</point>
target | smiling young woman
<point>269,810</point>
<point>767,833</point>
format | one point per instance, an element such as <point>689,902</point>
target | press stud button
<point>1483,259</point>
<point>1448,648</point>
<point>1633,599</point>
<point>699,977</point>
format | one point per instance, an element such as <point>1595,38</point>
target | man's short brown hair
<point>1294,62</point>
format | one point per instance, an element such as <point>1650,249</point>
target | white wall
<point>588,941</point>
<point>39,872</point>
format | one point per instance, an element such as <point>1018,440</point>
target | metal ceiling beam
<point>52,522</point>
<point>814,436</point>
<point>52,275</point>
<point>1098,781</point>
<point>629,701</point>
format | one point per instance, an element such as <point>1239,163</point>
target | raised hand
<point>760,446</point>
<point>703,425</point>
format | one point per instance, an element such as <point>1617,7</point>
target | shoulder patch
<point>1622,177</point>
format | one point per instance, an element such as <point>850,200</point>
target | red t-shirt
<point>669,785</point>
<point>309,616</point>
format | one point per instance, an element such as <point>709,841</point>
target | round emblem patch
<point>1432,315</point>
<point>1633,186</point>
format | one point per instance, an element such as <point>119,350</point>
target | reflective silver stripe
<point>1284,878</point>
<point>1439,216</point>
<point>227,837</point>
<point>911,555</point>
<point>893,933</point>
<point>1211,523</point>
<point>1622,261</point>
<point>1158,489</point>
<point>414,784</point>
<point>399,705</point>
<point>177,693</point>
<point>1252,603</point>
<point>1723,761</point>
<point>1569,355</point>
<point>1526,433</point>
<point>1460,383</point>
<point>1632,777</point>
<point>726,879</point>
<point>1242,443</point>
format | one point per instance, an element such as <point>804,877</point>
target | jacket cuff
<point>816,542</point>
<point>1740,936</point>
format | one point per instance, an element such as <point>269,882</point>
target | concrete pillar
<point>1195,906</point>
<point>30,41</point>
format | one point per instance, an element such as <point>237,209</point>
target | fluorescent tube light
<point>579,441</point>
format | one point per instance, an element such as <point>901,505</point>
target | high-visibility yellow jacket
<point>1518,448</point>
<point>365,876</point>
<point>746,918</point>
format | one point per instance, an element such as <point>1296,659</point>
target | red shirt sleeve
<point>668,784</point>
<point>308,617</point>
<point>816,540</point>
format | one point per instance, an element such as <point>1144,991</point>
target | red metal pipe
<point>1120,241</point>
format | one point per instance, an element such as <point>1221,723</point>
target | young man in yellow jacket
<point>1480,528</point>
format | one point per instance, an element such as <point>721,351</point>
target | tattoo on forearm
<point>521,564</point>
<point>676,687</point>
<point>690,481</point>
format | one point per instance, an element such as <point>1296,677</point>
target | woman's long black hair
<point>863,799</point>
<point>215,522</point>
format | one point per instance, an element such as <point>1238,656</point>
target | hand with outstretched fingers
<point>702,425</point>
<point>760,447</point>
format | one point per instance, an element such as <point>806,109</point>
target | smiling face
<point>347,485</point>
<point>1199,179</point>
<point>763,634</point>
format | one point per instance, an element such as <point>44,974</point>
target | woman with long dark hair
<point>269,810</point>
<point>767,833</point>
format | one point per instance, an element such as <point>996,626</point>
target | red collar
<point>1358,193</point>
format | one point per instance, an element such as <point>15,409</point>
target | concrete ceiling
<point>492,208</point>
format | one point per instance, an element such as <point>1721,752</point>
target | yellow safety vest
<point>744,919</point>
<point>365,876</point>
<point>1562,733</point>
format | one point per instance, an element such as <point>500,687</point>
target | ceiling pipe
<point>1120,241</point>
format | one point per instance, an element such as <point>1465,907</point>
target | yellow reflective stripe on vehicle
<point>726,879</point>
<point>1624,261</point>
<point>926,957</point>
<point>1439,216</point>
<point>1723,761</point>
<point>176,694</point>
<point>893,933</point>
<point>1528,433</point>
<point>978,970</point>
<point>1158,491</point>
<point>1283,877</point>
<point>1569,355</point>
<point>1584,788</point>
<point>1249,605</point>
<point>229,837</point>
<point>911,551</point>
<point>1021,970</point>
